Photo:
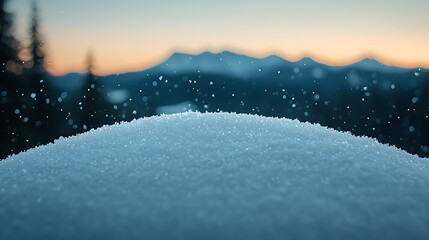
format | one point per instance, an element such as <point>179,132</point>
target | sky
<point>130,35</point>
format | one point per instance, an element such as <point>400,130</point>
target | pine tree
<point>8,44</point>
<point>36,45</point>
<point>91,97</point>
<point>9,91</point>
<point>40,91</point>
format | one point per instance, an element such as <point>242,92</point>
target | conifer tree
<point>9,92</point>
<point>37,77</point>
<point>91,97</point>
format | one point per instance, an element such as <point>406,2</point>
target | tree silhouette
<point>92,97</point>
<point>8,44</point>
<point>37,76</point>
<point>9,92</point>
<point>36,45</point>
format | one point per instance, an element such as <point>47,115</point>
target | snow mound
<point>214,176</point>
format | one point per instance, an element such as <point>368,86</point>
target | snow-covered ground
<point>214,176</point>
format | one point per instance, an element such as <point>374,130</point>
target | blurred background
<point>71,66</point>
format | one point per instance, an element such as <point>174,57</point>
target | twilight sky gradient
<point>129,35</point>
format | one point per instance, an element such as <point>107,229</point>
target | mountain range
<point>239,66</point>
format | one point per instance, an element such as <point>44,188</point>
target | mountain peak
<point>307,61</point>
<point>179,54</point>
<point>369,61</point>
<point>274,57</point>
<point>206,54</point>
<point>227,53</point>
<point>370,64</point>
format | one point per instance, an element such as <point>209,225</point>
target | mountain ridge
<point>366,64</point>
<point>359,63</point>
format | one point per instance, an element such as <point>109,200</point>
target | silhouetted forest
<point>369,98</point>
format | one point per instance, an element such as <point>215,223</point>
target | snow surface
<point>214,176</point>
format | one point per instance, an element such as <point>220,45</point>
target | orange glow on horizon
<point>135,35</point>
<point>107,66</point>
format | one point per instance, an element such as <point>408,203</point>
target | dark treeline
<point>37,108</point>
<point>31,112</point>
<point>24,94</point>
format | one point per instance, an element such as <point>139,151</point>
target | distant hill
<point>241,67</point>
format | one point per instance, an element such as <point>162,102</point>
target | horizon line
<point>356,60</point>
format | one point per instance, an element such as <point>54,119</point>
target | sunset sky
<point>127,35</point>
